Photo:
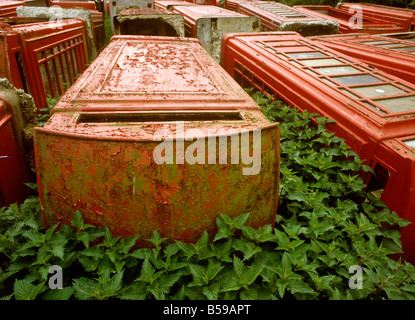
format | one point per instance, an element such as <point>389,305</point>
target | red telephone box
<point>278,17</point>
<point>353,20</point>
<point>120,145</point>
<point>394,56</point>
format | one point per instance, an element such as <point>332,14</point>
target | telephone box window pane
<point>299,55</point>
<point>358,79</point>
<point>350,93</point>
<point>338,70</point>
<point>410,143</point>
<point>321,62</point>
<point>401,104</point>
<point>390,45</point>
<point>379,91</point>
<point>405,48</point>
<point>375,42</point>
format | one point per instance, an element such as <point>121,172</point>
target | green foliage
<point>326,223</point>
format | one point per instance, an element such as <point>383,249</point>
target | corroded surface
<point>100,151</point>
<point>153,73</point>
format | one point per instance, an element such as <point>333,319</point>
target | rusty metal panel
<point>390,55</point>
<point>210,23</point>
<point>169,4</point>
<point>124,152</point>
<point>278,17</point>
<point>47,57</point>
<point>400,16</point>
<point>130,79</point>
<point>154,22</point>
<point>349,21</point>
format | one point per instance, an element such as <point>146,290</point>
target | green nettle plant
<point>327,227</point>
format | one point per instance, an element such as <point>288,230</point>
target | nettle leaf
<point>24,290</point>
<point>156,239</point>
<point>86,289</point>
<point>297,286</point>
<point>202,247</point>
<point>200,276</point>
<point>212,291</point>
<point>109,240</point>
<point>262,234</point>
<point>142,253</point>
<point>248,248</point>
<point>161,287</point>
<point>187,249</point>
<point>59,294</point>
<point>224,230</point>
<point>222,251</point>
<point>135,291</point>
<point>203,275</point>
<point>77,220</point>
<point>243,276</point>
<point>125,245</point>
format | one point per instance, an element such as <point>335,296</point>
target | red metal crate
<point>348,20</point>
<point>400,16</point>
<point>46,57</point>
<point>210,23</point>
<point>96,153</point>
<point>154,22</point>
<point>394,56</point>
<point>278,17</point>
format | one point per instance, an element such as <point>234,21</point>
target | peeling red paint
<point>95,154</point>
